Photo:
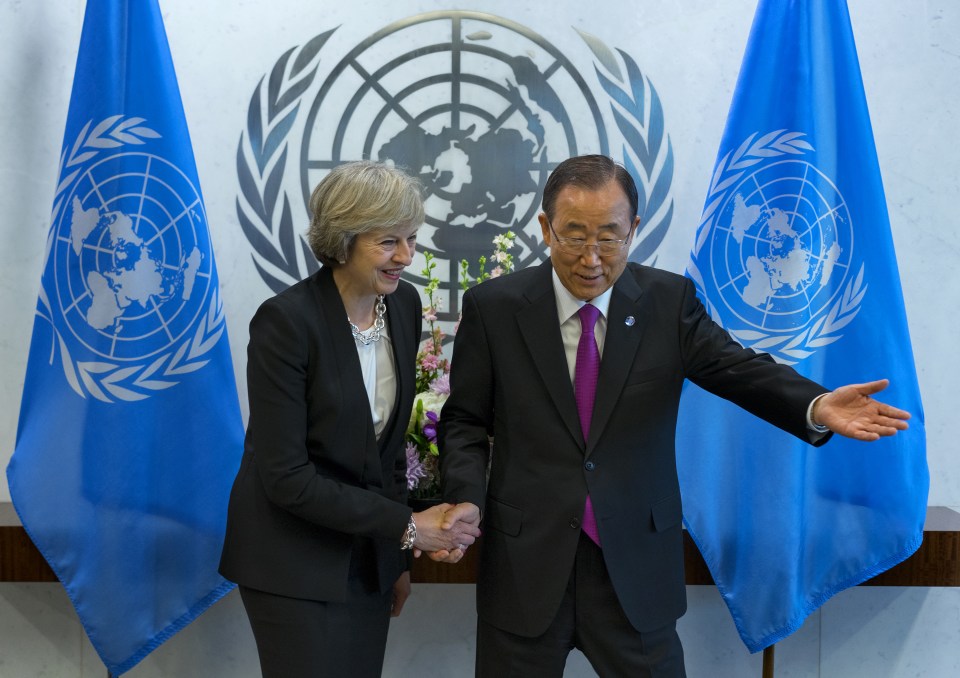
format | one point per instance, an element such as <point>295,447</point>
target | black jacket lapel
<point>619,350</point>
<point>345,348</point>
<point>540,328</point>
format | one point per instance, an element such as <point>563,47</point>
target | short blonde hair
<point>359,197</point>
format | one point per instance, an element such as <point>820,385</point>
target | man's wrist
<point>811,423</point>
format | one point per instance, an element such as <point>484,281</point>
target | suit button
<point>589,466</point>
<point>574,523</point>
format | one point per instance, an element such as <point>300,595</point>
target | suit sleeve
<point>277,375</point>
<point>754,381</point>
<point>467,416</point>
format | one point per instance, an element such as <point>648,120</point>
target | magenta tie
<point>584,388</point>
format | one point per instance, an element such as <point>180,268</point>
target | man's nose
<point>590,255</point>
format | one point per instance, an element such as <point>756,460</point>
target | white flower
<point>432,402</point>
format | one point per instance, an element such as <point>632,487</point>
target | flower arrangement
<point>433,370</point>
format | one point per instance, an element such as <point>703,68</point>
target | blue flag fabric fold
<point>794,257</point>
<point>130,431</point>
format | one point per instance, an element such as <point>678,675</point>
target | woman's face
<point>377,259</point>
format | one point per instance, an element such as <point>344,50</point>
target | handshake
<point>445,531</point>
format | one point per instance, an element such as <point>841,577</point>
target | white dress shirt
<point>567,308</point>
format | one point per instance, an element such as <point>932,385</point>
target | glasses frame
<point>578,246</point>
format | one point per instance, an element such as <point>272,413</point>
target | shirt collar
<point>568,305</point>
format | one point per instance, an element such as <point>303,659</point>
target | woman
<point>318,531</point>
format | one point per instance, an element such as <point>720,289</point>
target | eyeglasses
<point>580,245</point>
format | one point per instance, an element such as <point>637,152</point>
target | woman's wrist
<point>409,535</point>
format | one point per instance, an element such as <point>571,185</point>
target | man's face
<point>591,216</point>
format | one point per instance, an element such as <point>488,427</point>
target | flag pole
<point>768,661</point>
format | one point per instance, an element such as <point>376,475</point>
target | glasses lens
<point>579,245</point>
<point>610,246</point>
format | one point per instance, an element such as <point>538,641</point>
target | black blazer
<point>313,479</point>
<point>510,380</point>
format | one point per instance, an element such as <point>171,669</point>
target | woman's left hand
<point>401,591</point>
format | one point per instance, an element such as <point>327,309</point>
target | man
<point>581,512</point>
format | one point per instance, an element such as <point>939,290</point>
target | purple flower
<point>441,385</point>
<point>415,469</point>
<point>430,428</point>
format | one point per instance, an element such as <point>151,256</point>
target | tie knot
<point>588,317</point>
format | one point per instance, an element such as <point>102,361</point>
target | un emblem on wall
<point>777,245</point>
<point>128,286</point>
<point>479,108</point>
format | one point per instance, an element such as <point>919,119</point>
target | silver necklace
<point>378,324</point>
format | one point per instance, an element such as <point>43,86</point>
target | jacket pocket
<point>651,374</point>
<point>666,513</point>
<point>503,517</point>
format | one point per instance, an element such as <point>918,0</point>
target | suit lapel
<point>348,364</point>
<point>540,328</point>
<point>619,350</point>
<point>400,331</point>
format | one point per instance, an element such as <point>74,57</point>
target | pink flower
<point>430,362</point>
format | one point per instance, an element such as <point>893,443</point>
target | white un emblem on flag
<point>775,252</point>
<point>128,284</point>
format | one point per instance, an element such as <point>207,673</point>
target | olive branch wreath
<point>638,113</point>
<point>785,348</point>
<point>281,257</point>
<point>106,381</point>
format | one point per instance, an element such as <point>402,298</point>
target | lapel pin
<point>629,320</point>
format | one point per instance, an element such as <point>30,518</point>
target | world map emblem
<point>478,107</point>
<point>128,284</point>
<point>775,255</point>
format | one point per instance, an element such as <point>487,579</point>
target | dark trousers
<point>314,639</point>
<point>590,619</point>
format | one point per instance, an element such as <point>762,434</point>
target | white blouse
<point>379,378</point>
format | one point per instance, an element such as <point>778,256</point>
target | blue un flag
<point>130,431</point>
<point>794,257</point>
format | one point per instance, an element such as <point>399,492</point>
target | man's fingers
<point>872,387</point>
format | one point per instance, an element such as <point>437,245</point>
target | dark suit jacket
<point>510,380</point>
<point>313,480</point>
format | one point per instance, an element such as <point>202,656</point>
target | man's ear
<point>545,227</point>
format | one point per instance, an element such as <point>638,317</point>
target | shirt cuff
<point>810,425</point>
